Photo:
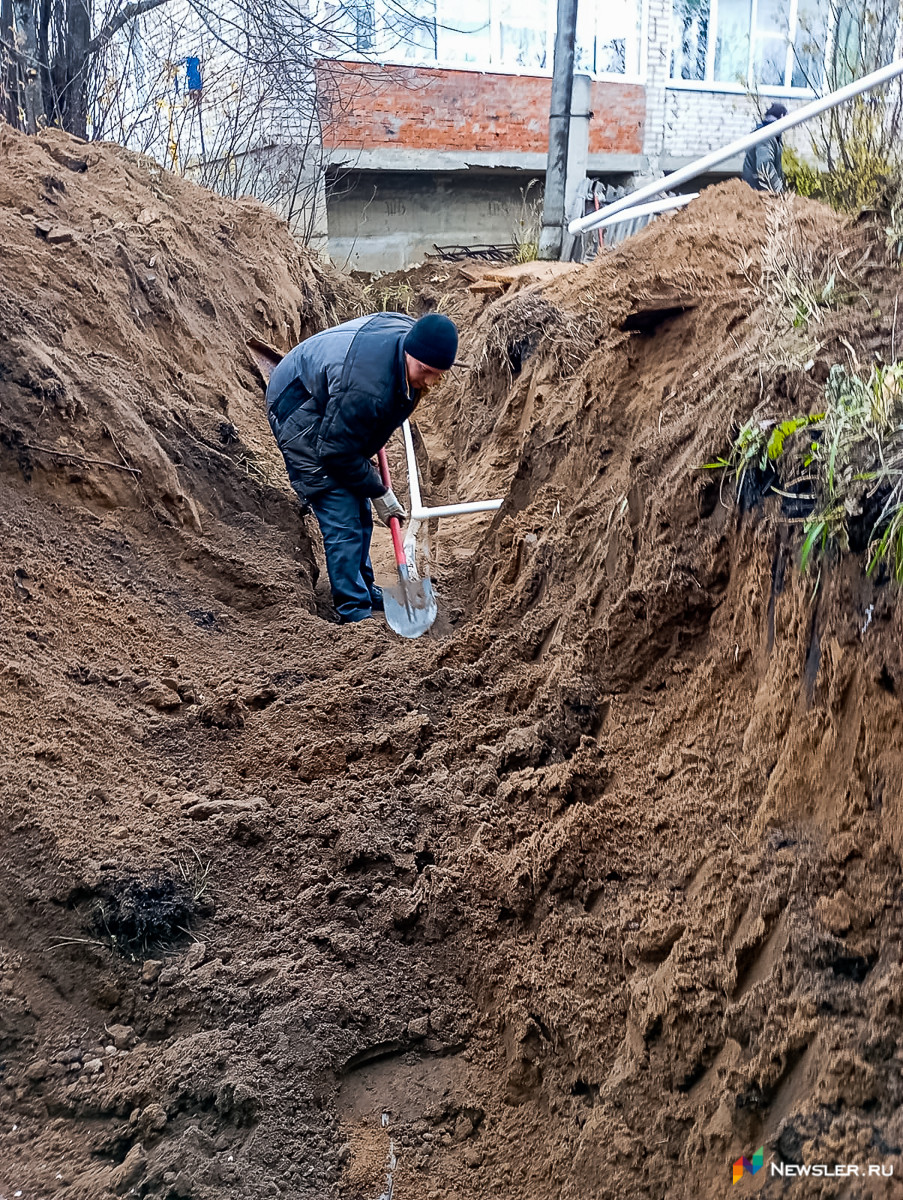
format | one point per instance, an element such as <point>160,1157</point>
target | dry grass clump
<point>530,323</point>
<point>393,297</point>
<point>795,283</point>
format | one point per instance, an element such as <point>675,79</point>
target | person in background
<point>332,403</point>
<point>762,168</point>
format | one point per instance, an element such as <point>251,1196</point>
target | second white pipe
<point>601,221</point>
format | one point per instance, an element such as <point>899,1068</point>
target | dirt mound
<point>129,294</point>
<point>586,897</point>
<point>695,765</point>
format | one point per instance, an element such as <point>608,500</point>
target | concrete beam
<point>577,165</point>
<point>403,159</point>
<point>731,166</point>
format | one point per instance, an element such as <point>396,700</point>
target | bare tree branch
<point>129,13</point>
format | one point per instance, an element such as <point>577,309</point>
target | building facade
<point>436,120</point>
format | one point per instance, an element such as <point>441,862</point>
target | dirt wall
<point>586,896</point>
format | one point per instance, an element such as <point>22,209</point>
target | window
<point>689,38</point>
<point>523,33</point>
<point>771,43</point>
<point>863,40</point>
<point>508,35</point>
<point>364,25</point>
<point>732,40</point>
<point>811,41</point>
<point>465,36</point>
<point>409,29</point>
<point>609,37</point>
<point>396,29</point>
<point>750,43</point>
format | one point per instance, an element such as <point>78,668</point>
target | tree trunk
<point>74,99</point>
<point>27,47</point>
<point>9,79</point>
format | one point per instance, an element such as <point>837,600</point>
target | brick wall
<point>697,122</point>
<point>430,108</point>
<point>658,16</point>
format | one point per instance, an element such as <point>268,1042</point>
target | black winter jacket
<point>336,399</point>
<point>762,168</point>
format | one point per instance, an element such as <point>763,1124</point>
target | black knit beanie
<point>776,111</point>
<point>433,340</point>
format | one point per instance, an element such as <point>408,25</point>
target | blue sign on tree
<point>193,74</point>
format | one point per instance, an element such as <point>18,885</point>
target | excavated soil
<point>586,895</point>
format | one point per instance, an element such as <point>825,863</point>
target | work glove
<point>388,506</point>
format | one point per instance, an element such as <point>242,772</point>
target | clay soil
<point>586,895</point>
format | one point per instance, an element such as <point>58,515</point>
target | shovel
<point>264,357</point>
<point>410,608</point>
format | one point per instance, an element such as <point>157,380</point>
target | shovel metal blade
<point>410,608</point>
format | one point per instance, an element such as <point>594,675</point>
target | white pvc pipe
<point>773,129</point>
<point>457,510</point>
<point>418,512</point>
<point>641,210</point>
<point>410,537</point>
<point>413,477</point>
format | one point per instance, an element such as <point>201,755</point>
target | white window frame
<point>640,43</point>
<point>445,15</point>
<point>716,85</point>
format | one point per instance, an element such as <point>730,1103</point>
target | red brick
<point>430,108</point>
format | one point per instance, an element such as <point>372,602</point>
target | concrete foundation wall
<point>386,221</point>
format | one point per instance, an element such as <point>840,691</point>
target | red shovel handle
<point>394,524</point>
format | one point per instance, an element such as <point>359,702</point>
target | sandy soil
<point>586,895</point>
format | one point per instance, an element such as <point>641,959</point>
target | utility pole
<point>553,214</point>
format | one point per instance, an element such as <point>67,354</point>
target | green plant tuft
<point>757,444</point>
<point>849,473</point>
<point>801,177</point>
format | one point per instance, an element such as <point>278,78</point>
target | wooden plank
<point>487,285</point>
<point>530,271</point>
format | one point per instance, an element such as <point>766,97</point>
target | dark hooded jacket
<point>336,399</point>
<point>762,168</point>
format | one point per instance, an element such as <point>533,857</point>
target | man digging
<point>332,403</point>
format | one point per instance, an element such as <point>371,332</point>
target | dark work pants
<point>346,523</point>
